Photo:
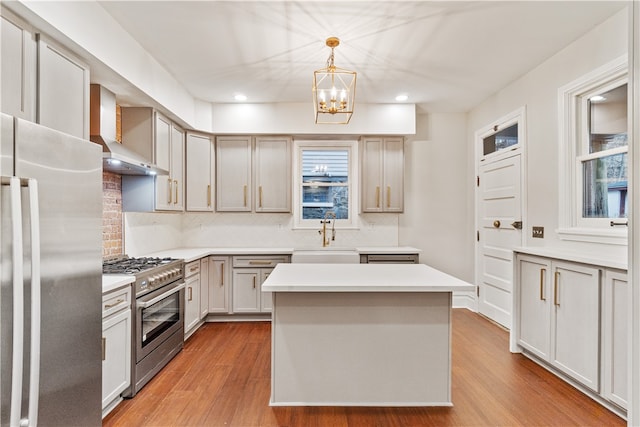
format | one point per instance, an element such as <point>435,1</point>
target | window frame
<point>573,120</point>
<point>352,185</point>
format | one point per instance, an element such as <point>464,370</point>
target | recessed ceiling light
<point>240,97</point>
<point>597,98</point>
<point>402,98</point>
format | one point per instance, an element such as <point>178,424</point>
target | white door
<point>499,211</point>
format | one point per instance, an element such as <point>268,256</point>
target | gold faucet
<point>324,222</point>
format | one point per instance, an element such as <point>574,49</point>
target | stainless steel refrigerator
<point>50,271</point>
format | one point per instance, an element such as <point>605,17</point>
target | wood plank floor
<point>222,378</point>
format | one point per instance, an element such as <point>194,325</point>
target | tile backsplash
<point>112,243</point>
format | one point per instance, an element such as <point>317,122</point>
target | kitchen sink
<point>327,255</point>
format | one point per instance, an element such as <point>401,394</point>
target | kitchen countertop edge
<point>568,255</point>
<point>111,282</point>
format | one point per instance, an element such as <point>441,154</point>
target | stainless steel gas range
<point>157,316</point>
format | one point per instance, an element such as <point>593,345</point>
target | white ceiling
<point>447,56</point>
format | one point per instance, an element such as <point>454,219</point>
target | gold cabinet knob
<point>496,223</point>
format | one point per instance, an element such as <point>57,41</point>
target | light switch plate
<point>538,232</point>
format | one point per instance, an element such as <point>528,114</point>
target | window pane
<point>605,187</point>
<point>500,140</point>
<point>325,166</point>
<point>318,200</point>
<point>608,120</point>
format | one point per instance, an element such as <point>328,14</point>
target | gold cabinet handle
<point>190,293</point>
<point>208,195</point>
<point>169,192</point>
<point>175,202</point>
<point>556,279</point>
<point>260,262</point>
<point>260,196</point>
<point>104,349</point>
<point>120,301</point>
<point>245,195</point>
<point>388,196</point>
<point>377,197</point>
<point>194,268</point>
<point>496,223</point>
<point>254,282</point>
<point>221,275</point>
<point>543,272</point>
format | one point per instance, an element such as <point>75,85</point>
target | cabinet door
<point>162,155</point>
<point>534,316</point>
<point>233,174</point>
<point>393,174</point>
<point>18,68</point>
<point>273,174</point>
<point>575,296</point>
<point>219,284</point>
<point>204,287</point>
<point>116,356</point>
<point>371,176</point>
<point>192,306</point>
<point>614,337</point>
<point>177,167</point>
<point>266,299</point>
<point>63,91</point>
<point>246,290</point>
<point>199,169</point>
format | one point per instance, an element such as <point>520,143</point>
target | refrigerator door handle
<point>18,300</point>
<point>34,367</point>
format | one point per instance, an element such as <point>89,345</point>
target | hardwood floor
<point>222,378</point>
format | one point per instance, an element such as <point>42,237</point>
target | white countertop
<point>361,278</point>
<point>192,254</point>
<point>111,282</point>
<point>563,254</point>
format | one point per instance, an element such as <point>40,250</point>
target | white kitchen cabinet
<point>18,67</point>
<point>559,315</point>
<point>249,272</point>
<point>204,288</point>
<point>62,90</point>
<point>253,177</point>
<point>233,174</point>
<point>382,174</point>
<point>200,169</point>
<point>273,174</point>
<point>116,346</point>
<point>219,284</point>
<point>192,298</point>
<point>170,156</point>
<point>614,337</point>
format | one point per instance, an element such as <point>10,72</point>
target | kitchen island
<point>361,334</point>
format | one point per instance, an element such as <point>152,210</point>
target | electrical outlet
<point>538,232</point>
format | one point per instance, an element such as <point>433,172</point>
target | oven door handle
<point>145,304</point>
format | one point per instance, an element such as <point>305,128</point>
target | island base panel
<point>361,349</point>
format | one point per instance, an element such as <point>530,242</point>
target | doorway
<point>499,214</point>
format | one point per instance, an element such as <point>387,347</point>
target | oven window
<point>159,317</point>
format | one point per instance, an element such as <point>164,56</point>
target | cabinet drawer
<point>192,268</point>
<point>259,261</point>
<point>116,301</point>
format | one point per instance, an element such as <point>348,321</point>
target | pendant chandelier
<point>334,91</point>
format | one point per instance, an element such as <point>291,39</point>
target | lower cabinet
<point>192,298</point>
<point>116,346</point>
<point>572,316</point>
<point>219,284</point>
<point>248,275</point>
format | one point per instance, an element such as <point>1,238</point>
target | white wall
<point>538,91</point>
<point>437,189</point>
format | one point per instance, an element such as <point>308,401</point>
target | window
<point>593,194</point>
<point>325,181</point>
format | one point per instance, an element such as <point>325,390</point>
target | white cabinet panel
<point>382,174</point>
<point>233,174</point>
<point>246,290</point>
<point>116,363</point>
<point>199,172</point>
<point>192,304</point>
<point>273,174</point>
<point>219,284</point>
<point>204,287</point>
<point>614,337</point>
<point>535,316</point>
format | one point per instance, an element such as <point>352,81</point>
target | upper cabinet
<point>63,91</point>
<point>162,142</point>
<point>245,185</point>
<point>42,82</point>
<point>18,68</point>
<point>200,172</point>
<point>273,174</point>
<point>382,179</point>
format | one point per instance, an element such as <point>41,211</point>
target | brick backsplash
<point>111,214</point>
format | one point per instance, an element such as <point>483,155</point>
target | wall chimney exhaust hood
<point>116,158</point>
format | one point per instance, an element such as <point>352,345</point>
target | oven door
<point>159,315</point>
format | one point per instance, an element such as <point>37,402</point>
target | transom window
<point>325,182</point>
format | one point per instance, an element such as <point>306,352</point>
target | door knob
<point>496,223</point>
